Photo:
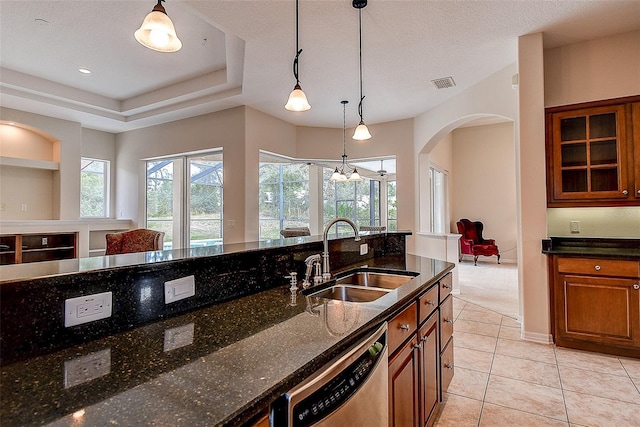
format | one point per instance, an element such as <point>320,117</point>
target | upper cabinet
<point>593,153</point>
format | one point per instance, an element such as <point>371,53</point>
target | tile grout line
<point>564,399</point>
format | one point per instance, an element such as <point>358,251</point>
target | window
<point>94,188</point>
<point>438,187</point>
<point>358,201</point>
<point>284,197</point>
<point>392,207</point>
<point>197,180</point>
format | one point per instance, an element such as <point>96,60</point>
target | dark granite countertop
<point>592,247</point>
<point>218,365</point>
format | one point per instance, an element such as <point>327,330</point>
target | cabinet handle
<point>448,366</point>
<point>638,191</point>
<point>446,286</point>
<point>424,339</point>
<point>636,286</point>
<point>625,192</point>
<point>598,268</point>
<point>448,321</point>
<point>417,347</point>
<point>404,327</point>
<point>431,303</point>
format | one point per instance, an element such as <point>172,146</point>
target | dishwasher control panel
<point>329,391</point>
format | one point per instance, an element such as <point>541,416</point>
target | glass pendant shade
<point>361,133</point>
<point>355,176</point>
<point>157,32</point>
<point>297,100</point>
<point>336,176</point>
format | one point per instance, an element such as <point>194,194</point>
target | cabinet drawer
<point>446,283</point>
<point>428,303</point>
<point>446,321</point>
<point>599,267</point>
<point>446,367</point>
<point>402,326</point>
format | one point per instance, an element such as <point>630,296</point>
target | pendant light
<point>157,31</point>
<point>297,99</point>
<point>339,175</point>
<point>361,133</point>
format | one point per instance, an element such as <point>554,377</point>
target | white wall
<point>485,182</point>
<point>65,200</point>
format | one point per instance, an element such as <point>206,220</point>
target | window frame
<point>106,187</point>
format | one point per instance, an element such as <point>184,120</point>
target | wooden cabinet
<point>592,153</point>
<point>24,248</point>
<point>596,304</point>
<point>415,349</point>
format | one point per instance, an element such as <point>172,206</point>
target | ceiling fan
<point>381,171</point>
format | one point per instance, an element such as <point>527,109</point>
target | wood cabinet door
<point>636,147</point>
<point>429,381</point>
<point>589,153</point>
<point>403,386</point>
<point>604,310</point>
<point>446,321</point>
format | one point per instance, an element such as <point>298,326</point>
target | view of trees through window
<point>199,221</point>
<point>284,197</point>
<point>94,188</point>
<point>392,207</point>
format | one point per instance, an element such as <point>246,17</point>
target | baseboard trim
<point>537,337</point>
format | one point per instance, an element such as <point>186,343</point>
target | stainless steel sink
<point>350,293</point>
<point>371,279</point>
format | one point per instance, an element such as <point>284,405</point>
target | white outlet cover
<point>179,336</point>
<point>87,308</point>
<point>364,249</point>
<point>178,289</point>
<point>86,368</point>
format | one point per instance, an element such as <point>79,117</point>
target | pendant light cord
<point>344,134</point>
<point>298,50</point>
<point>360,32</point>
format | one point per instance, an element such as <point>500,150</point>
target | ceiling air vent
<point>443,83</point>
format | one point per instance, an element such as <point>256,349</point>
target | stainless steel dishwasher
<point>351,390</point>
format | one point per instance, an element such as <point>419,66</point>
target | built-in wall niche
<point>29,159</point>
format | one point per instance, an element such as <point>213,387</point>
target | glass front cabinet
<point>592,155</point>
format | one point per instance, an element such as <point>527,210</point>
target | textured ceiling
<point>240,52</point>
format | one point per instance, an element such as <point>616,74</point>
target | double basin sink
<point>363,285</point>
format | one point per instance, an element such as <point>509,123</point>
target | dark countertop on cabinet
<point>218,365</point>
<point>623,248</point>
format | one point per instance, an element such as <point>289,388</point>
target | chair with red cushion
<point>472,242</point>
<point>139,240</point>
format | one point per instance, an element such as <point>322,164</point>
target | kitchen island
<point>218,364</point>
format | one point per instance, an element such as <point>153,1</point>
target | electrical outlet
<point>364,249</point>
<point>175,290</point>
<point>575,226</point>
<point>178,337</point>
<point>87,308</point>
<point>2,206</point>
<point>45,241</point>
<point>231,223</point>
<point>86,368</point>
<point>23,207</point>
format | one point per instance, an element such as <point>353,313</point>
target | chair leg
<point>498,258</point>
<point>475,260</point>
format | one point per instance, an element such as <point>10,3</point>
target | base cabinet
<point>415,365</point>
<point>24,248</point>
<point>597,304</point>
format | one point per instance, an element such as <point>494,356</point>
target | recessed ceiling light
<point>84,70</point>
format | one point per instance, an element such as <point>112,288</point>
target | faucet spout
<point>326,272</point>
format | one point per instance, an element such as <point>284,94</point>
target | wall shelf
<point>29,163</point>
<point>25,248</point>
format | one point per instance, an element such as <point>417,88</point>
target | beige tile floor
<point>490,285</point>
<point>501,380</point>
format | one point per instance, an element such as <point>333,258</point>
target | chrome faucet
<point>326,273</point>
<point>311,261</point>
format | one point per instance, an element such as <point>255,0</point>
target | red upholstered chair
<point>472,242</point>
<point>139,240</point>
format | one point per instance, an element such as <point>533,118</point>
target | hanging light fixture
<point>157,31</point>
<point>297,99</point>
<point>339,175</point>
<point>361,133</point>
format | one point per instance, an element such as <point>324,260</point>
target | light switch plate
<point>175,290</point>
<point>87,308</point>
<point>86,368</point>
<point>575,226</point>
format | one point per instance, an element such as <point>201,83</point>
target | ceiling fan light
<point>157,32</point>
<point>361,133</point>
<point>297,100</point>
